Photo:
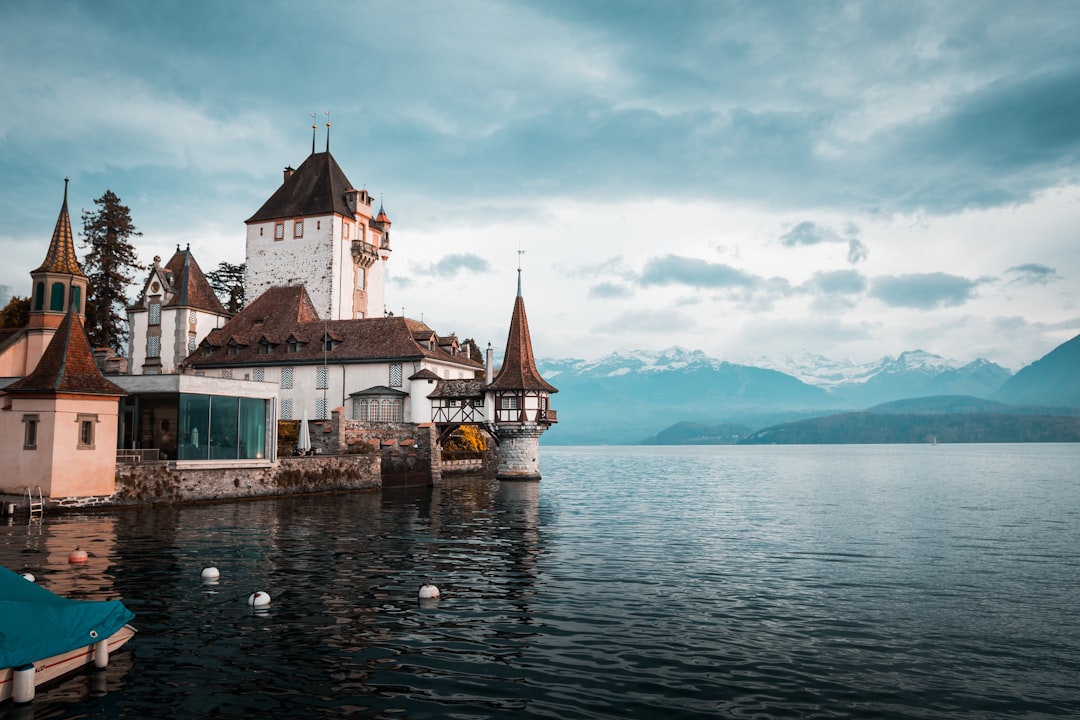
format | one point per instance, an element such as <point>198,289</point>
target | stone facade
<point>409,453</point>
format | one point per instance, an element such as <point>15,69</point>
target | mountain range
<point>627,397</point>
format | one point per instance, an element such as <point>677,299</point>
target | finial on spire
<point>65,190</point>
<point>520,252</point>
<point>327,130</point>
<point>314,127</point>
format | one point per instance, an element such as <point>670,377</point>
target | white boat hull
<point>52,668</point>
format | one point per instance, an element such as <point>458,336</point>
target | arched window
<point>39,297</point>
<point>56,297</point>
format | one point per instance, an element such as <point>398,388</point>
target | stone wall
<point>163,482</point>
<point>409,453</point>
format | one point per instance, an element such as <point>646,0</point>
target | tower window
<point>298,229</point>
<point>30,428</point>
<point>39,297</point>
<point>56,297</point>
<point>279,231</point>
<point>76,298</point>
<point>153,346</point>
<point>155,313</point>
<point>361,278</point>
<point>86,431</point>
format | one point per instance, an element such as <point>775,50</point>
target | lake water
<point>744,582</point>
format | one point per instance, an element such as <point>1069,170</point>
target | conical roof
<point>60,257</point>
<point>317,187</point>
<point>518,371</point>
<point>67,365</point>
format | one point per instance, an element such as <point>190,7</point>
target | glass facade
<point>219,427</point>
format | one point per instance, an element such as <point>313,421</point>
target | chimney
<point>288,172</point>
<point>489,365</point>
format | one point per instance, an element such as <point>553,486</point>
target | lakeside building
<point>204,391</point>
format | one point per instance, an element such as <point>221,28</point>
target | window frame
<point>30,430</point>
<point>86,431</point>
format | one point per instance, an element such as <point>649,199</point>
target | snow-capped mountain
<point>632,391</point>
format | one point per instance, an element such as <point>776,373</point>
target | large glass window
<point>224,419</point>
<point>216,427</point>
<point>252,429</point>
<point>194,427</point>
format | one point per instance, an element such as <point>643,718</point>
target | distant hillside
<point>689,433</point>
<point>1053,380</point>
<point>963,404</point>
<point>868,427</point>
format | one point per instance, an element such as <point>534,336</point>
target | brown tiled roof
<point>190,285</point>
<point>424,374</point>
<point>67,365</point>
<point>284,312</point>
<point>518,371</point>
<point>317,187</point>
<point>60,257</point>
<point>458,389</point>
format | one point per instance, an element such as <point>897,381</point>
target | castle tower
<point>317,230</point>
<point>58,284</point>
<point>520,402</point>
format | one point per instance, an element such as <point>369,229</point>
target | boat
<point>44,636</point>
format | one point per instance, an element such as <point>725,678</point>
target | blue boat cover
<point>36,624</point>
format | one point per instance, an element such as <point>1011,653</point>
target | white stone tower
<point>318,231</point>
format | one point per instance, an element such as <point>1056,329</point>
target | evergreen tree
<point>110,266</point>
<point>16,313</point>
<point>228,284</point>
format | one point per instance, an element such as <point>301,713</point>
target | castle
<point>204,388</point>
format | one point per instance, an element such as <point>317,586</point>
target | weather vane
<point>327,130</point>
<point>314,127</point>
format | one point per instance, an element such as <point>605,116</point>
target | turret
<point>521,402</point>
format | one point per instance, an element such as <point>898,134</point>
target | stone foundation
<point>519,451</point>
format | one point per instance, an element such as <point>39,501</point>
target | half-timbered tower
<point>318,231</point>
<point>520,398</point>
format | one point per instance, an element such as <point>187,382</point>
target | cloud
<point>1033,274</point>
<point>838,282</point>
<point>810,233</point>
<point>451,265</point>
<point>637,322</point>
<point>679,270</point>
<point>610,291</point>
<point>923,291</point>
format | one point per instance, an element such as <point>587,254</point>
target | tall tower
<point>59,284</point>
<point>521,398</point>
<point>318,231</point>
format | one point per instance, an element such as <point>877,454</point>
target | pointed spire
<point>61,257</point>
<point>518,371</point>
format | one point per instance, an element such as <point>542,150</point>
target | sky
<point>849,179</point>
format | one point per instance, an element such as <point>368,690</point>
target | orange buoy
<point>77,556</point>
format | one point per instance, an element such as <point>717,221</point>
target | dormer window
<point>207,350</point>
<point>294,345</point>
<point>265,348</point>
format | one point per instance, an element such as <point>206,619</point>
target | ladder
<point>37,507</point>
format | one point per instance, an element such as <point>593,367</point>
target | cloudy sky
<point>745,178</point>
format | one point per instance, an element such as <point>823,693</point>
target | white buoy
<point>29,577</point>
<point>259,599</point>
<point>210,573</point>
<point>428,592</point>
<point>78,556</point>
